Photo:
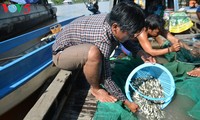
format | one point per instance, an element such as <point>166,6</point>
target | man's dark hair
<point>154,21</point>
<point>129,16</point>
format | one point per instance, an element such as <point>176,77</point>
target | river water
<point>66,11</point>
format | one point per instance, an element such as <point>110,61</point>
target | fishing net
<point>113,111</point>
<point>121,68</point>
<point>185,85</point>
<point>183,55</point>
<point>181,63</point>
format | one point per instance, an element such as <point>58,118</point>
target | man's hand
<point>175,47</point>
<point>146,57</point>
<point>131,105</point>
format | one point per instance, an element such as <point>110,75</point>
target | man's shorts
<point>72,57</point>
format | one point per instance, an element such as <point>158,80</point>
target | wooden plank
<point>64,97</point>
<point>185,36</point>
<point>42,106</point>
<point>196,25</point>
<point>195,19</point>
<point>80,104</point>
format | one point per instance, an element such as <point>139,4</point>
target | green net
<point>120,71</point>
<point>185,85</point>
<point>113,111</point>
<point>183,55</point>
<point>122,68</point>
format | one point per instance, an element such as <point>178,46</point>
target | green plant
<point>57,2</point>
<point>77,1</point>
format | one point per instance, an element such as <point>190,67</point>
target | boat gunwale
<point>7,89</point>
<point>21,39</point>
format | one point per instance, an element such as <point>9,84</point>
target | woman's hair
<point>129,16</point>
<point>154,21</point>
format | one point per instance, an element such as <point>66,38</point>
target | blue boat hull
<point>19,77</point>
<point>21,70</point>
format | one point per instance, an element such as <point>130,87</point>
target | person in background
<point>198,12</point>
<point>155,28</point>
<point>93,6</point>
<point>193,3</point>
<point>87,43</point>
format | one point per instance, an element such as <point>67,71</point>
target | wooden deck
<point>196,27</point>
<point>67,98</point>
<point>80,105</point>
<point>41,107</point>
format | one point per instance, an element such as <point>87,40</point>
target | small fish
<point>151,87</point>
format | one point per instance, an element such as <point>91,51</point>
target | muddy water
<point>177,109</point>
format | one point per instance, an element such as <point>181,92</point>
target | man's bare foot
<point>102,95</point>
<point>195,72</point>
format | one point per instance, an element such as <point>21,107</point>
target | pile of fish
<point>150,87</point>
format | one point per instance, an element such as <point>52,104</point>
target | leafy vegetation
<point>77,1</point>
<point>57,2</point>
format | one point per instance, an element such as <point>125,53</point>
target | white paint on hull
<point>21,93</point>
